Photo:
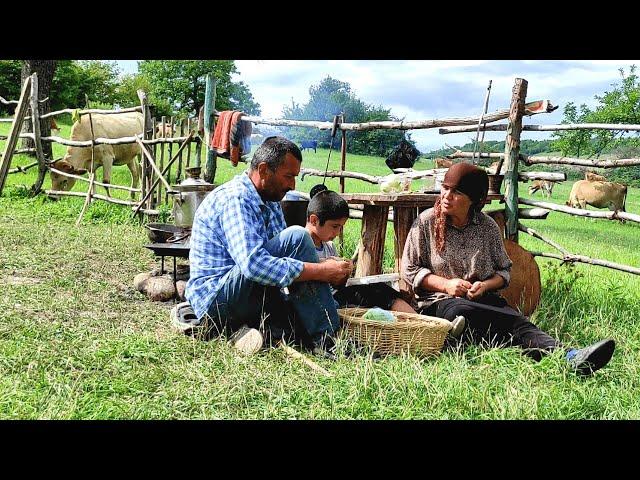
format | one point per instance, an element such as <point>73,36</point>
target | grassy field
<point>77,341</point>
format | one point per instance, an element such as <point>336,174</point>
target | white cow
<point>77,160</point>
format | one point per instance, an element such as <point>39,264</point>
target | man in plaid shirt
<point>242,256</point>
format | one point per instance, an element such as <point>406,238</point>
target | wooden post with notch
<point>511,154</point>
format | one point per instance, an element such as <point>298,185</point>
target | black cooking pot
<point>161,232</point>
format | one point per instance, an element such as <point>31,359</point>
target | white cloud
<point>421,90</point>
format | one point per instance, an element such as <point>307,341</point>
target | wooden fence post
<point>144,183</point>
<point>511,155</point>
<point>35,121</point>
<point>183,165</point>
<point>209,126</point>
<point>14,133</point>
<point>163,146</point>
<point>199,128</point>
<point>343,163</point>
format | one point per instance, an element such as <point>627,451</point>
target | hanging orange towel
<point>220,137</point>
<point>227,135</point>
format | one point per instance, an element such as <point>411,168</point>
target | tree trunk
<point>45,70</point>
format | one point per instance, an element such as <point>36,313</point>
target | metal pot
<point>190,194</point>
<point>294,207</point>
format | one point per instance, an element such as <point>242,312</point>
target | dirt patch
<point>16,280</point>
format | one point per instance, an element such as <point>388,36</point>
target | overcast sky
<point>432,89</point>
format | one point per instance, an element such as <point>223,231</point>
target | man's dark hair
<point>273,151</point>
<point>328,205</point>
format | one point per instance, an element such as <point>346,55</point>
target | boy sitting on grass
<point>326,215</point>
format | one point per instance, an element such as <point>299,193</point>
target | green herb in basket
<point>379,315</point>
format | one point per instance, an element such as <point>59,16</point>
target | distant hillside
<point>528,147</point>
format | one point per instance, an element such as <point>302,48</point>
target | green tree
<point>574,142</point>
<point>45,71</point>
<point>180,85</point>
<point>74,79</point>
<point>332,97</point>
<point>619,105</point>
<point>9,83</point>
<point>71,81</point>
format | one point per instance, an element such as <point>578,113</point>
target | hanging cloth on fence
<point>232,136</point>
<point>402,156</point>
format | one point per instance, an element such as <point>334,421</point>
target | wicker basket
<point>420,335</point>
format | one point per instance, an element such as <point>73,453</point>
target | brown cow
<point>598,194</point>
<point>594,177</point>
<point>168,130</point>
<point>443,163</point>
<point>545,186</point>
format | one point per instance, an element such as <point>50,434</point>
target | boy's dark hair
<point>328,205</point>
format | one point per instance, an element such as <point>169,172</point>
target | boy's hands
<point>338,270</point>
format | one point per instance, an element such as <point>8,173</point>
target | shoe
<point>247,340</point>
<point>457,326</point>
<point>329,354</point>
<point>183,317</point>
<point>587,360</point>
<point>325,348</point>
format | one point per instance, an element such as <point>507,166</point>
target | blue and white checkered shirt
<point>231,227</point>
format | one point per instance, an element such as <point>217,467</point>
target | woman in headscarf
<point>456,262</point>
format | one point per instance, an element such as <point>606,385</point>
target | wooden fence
<point>154,172</point>
<point>154,184</point>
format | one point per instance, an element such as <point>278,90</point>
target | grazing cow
<point>77,160</point>
<point>168,130</point>
<point>443,163</point>
<point>545,186</point>
<point>598,194</point>
<point>309,144</point>
<point>594,177</point>
<point>54,125</point>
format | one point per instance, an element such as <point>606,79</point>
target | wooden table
<point>406,208</point>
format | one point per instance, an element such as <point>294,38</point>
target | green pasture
<point>77,341</point>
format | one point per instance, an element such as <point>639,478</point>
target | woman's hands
<point>477,290</point>
<point>457,287</point>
